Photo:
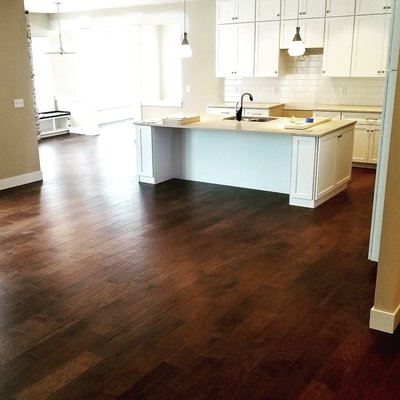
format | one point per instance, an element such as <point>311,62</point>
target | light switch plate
<point>18,103</point>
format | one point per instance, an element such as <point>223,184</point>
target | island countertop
<point>276,126</point>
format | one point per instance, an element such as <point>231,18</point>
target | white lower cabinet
<point>366,144</point>
<point>321,167</point>
<point>155,156</point>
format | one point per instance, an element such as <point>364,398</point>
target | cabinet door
<point>226,11</point>
<point>373,6</point>
<point>344,150</point>
<point>144,143</point>
<point>374,144</point>
<point>311,31</point>
<point>303,168</point>
<point>267,49</point>
<point>246,11</point>
<point>307,9</point>
<point>235,50</point>
<point>336,59</point>
<point>268,10</point>
<point>361,144</point>
<point>312,8</point>
<point>226,50</point>
<point>371,35</point>
<point>326,180</point>
<point>234,11</point>
<point>245,50</point>
<point>338,8</point>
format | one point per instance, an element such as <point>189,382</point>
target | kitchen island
<point>310,165</point>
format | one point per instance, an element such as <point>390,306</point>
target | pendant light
<point>186,50</point>
<point>296,46</point>
<point>61,50</point>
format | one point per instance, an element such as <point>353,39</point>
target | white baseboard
<point>21,180</point>
<point>384,321</point>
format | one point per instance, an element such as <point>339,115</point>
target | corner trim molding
<point>384,321</point>
<point>21,180</point>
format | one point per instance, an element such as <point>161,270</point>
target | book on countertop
<point>181,119</point>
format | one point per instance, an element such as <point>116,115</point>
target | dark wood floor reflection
<point>110,289</point>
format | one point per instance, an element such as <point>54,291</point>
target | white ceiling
<point>49,6</point>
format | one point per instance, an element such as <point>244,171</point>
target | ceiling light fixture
<point>296,47</point>
<point>61,50</point>
<point>186,50</point>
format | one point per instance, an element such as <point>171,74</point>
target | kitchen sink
<point>249,118</point>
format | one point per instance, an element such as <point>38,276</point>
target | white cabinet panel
<point>370,46</point>
<point>307,9</point>
<point>234,11</point>
<point>373,6</point>
<point>267,49</point>
<point>268,10</point>
<point>326,165</point>
<point>344,151</point>
<point>338,46</point>
<point>338,8</point>
<point>303,168</point>
<point>144,143</point>
<point>311,31</point>
<point>235,50</point>
<point>374,144</point>
<point>361,144</point>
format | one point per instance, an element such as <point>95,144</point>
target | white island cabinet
<point>310,165</point>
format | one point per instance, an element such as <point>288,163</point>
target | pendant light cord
<point>59,27</point>
<point>184,15</point>
<point>298,11</point>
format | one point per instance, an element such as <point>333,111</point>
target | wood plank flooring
<point>114,290</point>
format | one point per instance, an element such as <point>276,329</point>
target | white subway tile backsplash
<point>304,86</point>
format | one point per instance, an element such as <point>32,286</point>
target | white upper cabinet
<point>267,49</point>
<point>233,11</point>
<point>370,46</point>
<point>307,9</point>
<point>373,7</point>
<point>336,60</point>
<point>311,31</point>
<point>235,50</point>
<point>268,10</point>
<point>338,8</point>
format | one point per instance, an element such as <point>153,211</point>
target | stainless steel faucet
<point>239,111</point>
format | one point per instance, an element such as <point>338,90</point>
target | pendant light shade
<point>296,47</point>
<point>186,50</point>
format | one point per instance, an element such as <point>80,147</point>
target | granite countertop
<point>363,109</point>
<point>247,104</point>
<point>277,126</point>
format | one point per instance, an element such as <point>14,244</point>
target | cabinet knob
<point>323,72</point>
<point>278,15</point>
<point>327,11</point>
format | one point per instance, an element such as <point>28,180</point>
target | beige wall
<point>18,143</point>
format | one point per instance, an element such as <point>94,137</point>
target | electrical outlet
<point>187,89</point>
<point>236,89</point>
<point>344,90</point>
<point>276,89</point>
<point>18,103</point>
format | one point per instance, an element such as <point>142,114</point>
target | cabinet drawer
<point>363,118</point>
<point>333,114</point>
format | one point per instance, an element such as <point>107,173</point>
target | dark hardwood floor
<point>114,290</point>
